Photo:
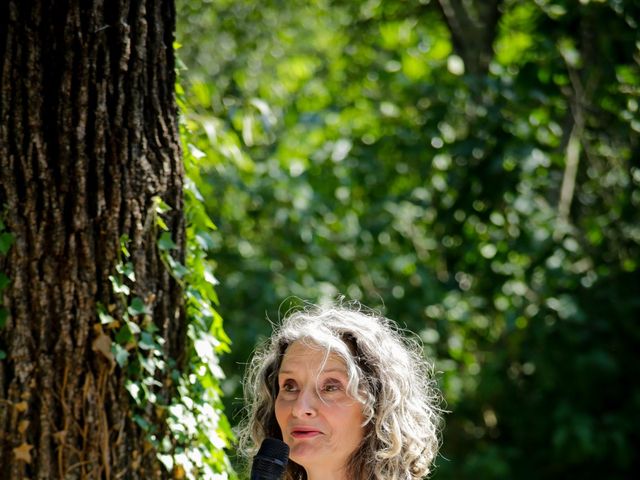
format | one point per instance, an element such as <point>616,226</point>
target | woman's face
<point>319,421</point>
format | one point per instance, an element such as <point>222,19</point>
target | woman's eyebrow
<point>328,370</point>
<point>334,370</point>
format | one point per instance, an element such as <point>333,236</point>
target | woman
<point>352,398</point>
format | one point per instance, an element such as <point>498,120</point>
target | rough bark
<point>88,136</point>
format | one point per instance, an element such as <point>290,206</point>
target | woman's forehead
<point>307,355</point>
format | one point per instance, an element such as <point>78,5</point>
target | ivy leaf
<point>134,390</point>
<point>134,328</point>
<point>23,452</point>
<point>146,341</point>
<point>102,345</point>
<point>138,307</point>
<point>196,152</point>
<point>209,277</point>
<point>4,281</point>
<point>204,240</point>
<point>124,335</point>
<point>104,317</point>
<point>178,269</point>
<point>161,223</point>
<point>151,328</point>
<point>127,271</point>
<point>161,208</point>
<point>23,425</point>
<point>121,354</point>
<point>6,240</point>
<point>165,242</point>
<point>118,286</point>
<point>167,461</point>
<point>161,205</point>
<point>144,424</point>
<point>124,241</point>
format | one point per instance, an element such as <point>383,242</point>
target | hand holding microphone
<point>270,461</point>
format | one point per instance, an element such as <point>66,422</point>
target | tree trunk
<point>473,26</point>
<point>88,138</point>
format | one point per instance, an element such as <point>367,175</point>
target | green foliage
<point>196,419</point>
<point>343,149</point>
<point>199,430</point>
<point>137,347</point>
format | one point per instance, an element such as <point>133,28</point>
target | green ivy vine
<point>196,420</point>
<point>198,433</point>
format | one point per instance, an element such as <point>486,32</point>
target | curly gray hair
<point>387,374</point>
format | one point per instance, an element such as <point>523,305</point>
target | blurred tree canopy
<point>468,167</point>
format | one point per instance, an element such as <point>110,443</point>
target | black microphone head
<point>271,460</point>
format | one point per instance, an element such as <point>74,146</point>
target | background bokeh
<point>470,168</point>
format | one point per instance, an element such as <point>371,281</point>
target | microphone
<point>271,460</point>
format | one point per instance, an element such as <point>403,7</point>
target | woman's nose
<point>305,404</point>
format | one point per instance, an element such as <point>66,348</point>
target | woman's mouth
<point>302,433</point>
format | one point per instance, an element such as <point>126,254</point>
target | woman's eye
<point>289,387</point>
<point>332,387</point>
